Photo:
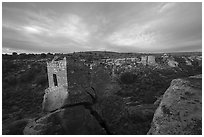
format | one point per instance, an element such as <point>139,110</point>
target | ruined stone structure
<point>57,73</point>
<point>144,60</point>
<point>148,60</point>
<point>57,92</point>
<point>151,60</point>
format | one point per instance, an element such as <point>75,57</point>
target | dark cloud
<point>123,27</point>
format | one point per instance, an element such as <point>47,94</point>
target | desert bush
<point>27,76</point>
<point>9,66</point>
<point>128,78</point>
<point>42,79</point>
<point>149,97</point>
<point>22,56</point>
<point>43,55</point>
<point>30,74</point>
<point>11,80</point>
<point>14,54</point>
<point>145,84</point>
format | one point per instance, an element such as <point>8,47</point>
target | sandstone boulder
<point>180,111</point>
<point>46,125</point>
<point>75,120</point>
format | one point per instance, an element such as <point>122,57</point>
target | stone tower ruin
<point>144,60</point>
<point>57,73</point>
<point>151,60</point>
<point>148,60</point>
<point>57,92</point>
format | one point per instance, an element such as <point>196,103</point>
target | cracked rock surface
<point>180,110</point>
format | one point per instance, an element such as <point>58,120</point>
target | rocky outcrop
<point>16,127</point>
<point>74,117</point>
<point>71,121</point>
<point>180,110</point>
<point>46,125</point>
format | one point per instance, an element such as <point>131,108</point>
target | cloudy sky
<point>121,27</point>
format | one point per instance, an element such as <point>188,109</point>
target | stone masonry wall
<point>144,60</point>
<point>151,60</point>
<point>56,95</point>
<point>60,69</point>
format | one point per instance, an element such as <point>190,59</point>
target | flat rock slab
<point>75,120</point>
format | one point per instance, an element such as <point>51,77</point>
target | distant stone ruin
<point>148,60</point>
<point>151,60</point>
<point>144,60</point>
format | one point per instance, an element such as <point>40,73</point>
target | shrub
<point>10,80</point>
<point>27,76</point>
<point>128,78</point>
<point>9,66</point>
<point>43,55</point>
<point>14,53</point>
<point>42,79</point>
